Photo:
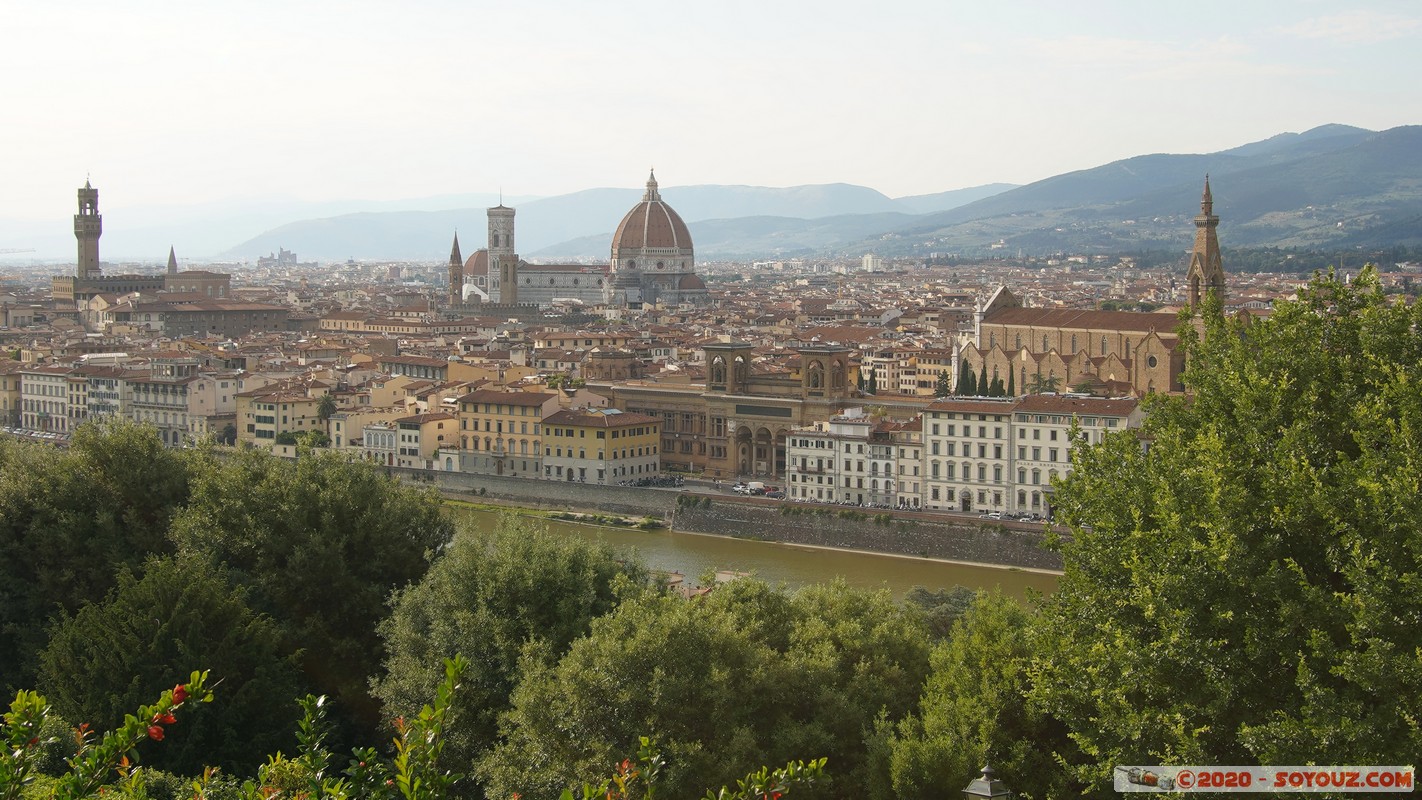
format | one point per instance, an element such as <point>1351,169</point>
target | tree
<point>767,674</point>
<point>325,407</point>
<point>982,385</point>
<point>321,542</point>
<point>941,607</point>
<point>974,711</point>
<point>966,381</point>
<point>490,596</point>
<point>996,389</point>
<point>1044,385</point>
<point>941,388</point>
<point>181,615</point>
<point>70,520</point>
<point>1246,589</point>
<point>967,384</point>
<point>1011,382</point>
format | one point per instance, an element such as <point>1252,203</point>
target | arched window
<point>1045,345</point>
<point>1073,343</point>
<point>1103,345</point>
<point>816,376</point>
<point>992,341</point>
<point>1018,344</point>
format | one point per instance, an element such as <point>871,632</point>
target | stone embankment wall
<point>547,495</point>
<point>884,532</point>
<point>905,533</point>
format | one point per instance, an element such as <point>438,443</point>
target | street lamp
<point>985,786</point>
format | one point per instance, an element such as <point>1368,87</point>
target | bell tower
<point>503,257</point>
<point>88,227</point>
<point>1206,272</point>
<point>456,274</point>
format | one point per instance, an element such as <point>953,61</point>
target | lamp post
<point>986,786</point>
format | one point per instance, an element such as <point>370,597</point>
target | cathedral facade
<point>1103,352</point>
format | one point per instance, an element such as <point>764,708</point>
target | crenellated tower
<point>1206,273</point>
<point>88,227</point>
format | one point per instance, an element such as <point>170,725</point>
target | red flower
<point>180,693</point>
<point>155,732</point>
<point>168,719</point>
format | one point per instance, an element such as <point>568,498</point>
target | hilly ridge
<point>1327,186</point>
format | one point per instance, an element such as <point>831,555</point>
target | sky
<point>200,102</point>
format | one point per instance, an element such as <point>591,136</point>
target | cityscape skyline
<point>183,104</point>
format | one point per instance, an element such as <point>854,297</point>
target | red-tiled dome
<point>477,264</point>
<point>690,282</point>
<point>651,224</point>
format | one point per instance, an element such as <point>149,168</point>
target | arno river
<point>792,565</point>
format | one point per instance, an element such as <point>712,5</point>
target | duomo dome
<point>652,256</point>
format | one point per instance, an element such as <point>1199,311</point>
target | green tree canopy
<point>69,520</point>
<point>974,711</point>
<point>1246,589</point>
<point>748,674</point>
<point>487,598</point>
<point>322,542</point>
<point>181,615</point>
<point>941,387</point>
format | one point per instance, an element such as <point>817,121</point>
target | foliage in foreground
<point>1248,589</point>
<point>492,596</point>
<point>108,764</point>
<point>746,675</point>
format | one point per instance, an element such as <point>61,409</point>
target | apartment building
<point>420,436</point>
<point>968,453</point>
<point>44,399</point>
<point>501,433</point>
<point>1042,427</point>
<point>602,445</point>
<point>848,458</point>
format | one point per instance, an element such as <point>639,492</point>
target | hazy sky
<point>200,101</point>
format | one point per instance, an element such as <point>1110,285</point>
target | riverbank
<point>914,534</point>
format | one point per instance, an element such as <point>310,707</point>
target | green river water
<point>794,566</point>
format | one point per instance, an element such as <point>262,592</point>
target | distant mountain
<point>944,201</point>
<point>556,226</point>
<point>743,238</point>
<point>1332,186</point>
<point>1322,188</point>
